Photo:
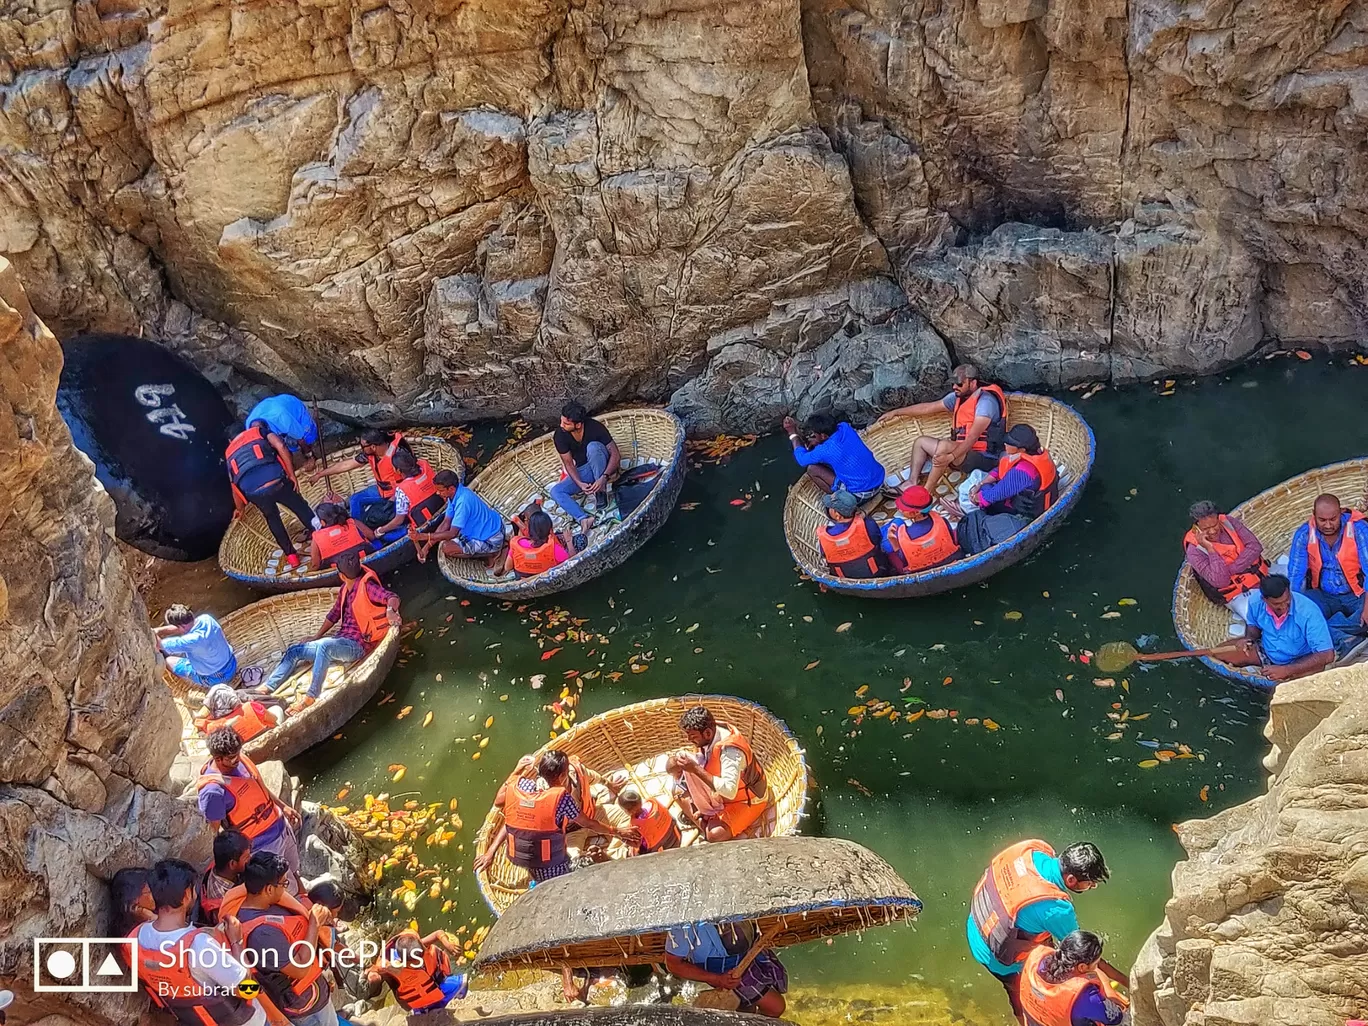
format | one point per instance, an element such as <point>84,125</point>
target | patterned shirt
<point>349,628</point>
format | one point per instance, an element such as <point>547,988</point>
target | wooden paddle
<point>1117,655</point>
<point>331,494</point>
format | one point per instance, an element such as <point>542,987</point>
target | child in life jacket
<point>536,547</point>
<point>247,712</point>
<point>418,971</point>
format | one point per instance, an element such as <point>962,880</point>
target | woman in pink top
<point>536,548</point>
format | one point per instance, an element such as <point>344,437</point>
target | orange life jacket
<point>658,828</point>
<point>1241,583</point>
<point>1036,501</point>
<point>295,926</point>
<point>962,417</point>
<point>754,789</point>
<point>581,787</point>
<point>1051,1004</point>
<point>1347,555</point>
<point>1009,885</point>
<point>334,541</point>
<point>535,840</point>
<point>175,989</point>
<point>415,987</point>
<point>209,904</point>
<point>424,502</point>
<point>246,721</point>
<point>232,902</point>
<point>530,562</point>
<point>249,450</point>
<point>931,549</point>
<point>371,617</point>
<point>382,468</point>
<point>253,812</point>
<point>850,552</point>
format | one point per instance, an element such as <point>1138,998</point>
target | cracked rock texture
<point>430,210</point>
<point>1268,923</point>
<point>87,729</point>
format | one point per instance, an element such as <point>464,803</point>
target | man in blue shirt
<point>195,648</point>
<point>470,527</point>
<point>835,456</point>
<point>1292,635</point>
<point>287,416</point>
<point>1326,563</point>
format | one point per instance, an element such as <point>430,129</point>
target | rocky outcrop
<point>1268,923</point>
<point>429,210</point>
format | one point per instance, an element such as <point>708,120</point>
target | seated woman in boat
<point>652,818</point>
<point>535,547</point>
<point>417,502</point>
<point>1062,986</point>
<point>1225,555</point>
<point>835,456</point>
<point>339,534</point>
<point>1286,633</point>
<point>245,711</point>
<point>725,788</point>
<point>1024,485</point>
<point>711,953</point>
<point>919,537</point>
<point>851,541</point>
<point>469,527</point>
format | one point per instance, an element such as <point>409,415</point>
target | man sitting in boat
<point>1062,986</point>
<point>851,541</point>
<point>286,415</point>
<point>1022,486</point>
<point>835,456</point>
<point>418,971</point>
<point>417,503</point>
<point>232,793</point>
<point>469,527</point>
<point>711,953</point>
<point>1225,556</point>
<point>589,462</point>
<point>535,547</point>
<point>652,818</point>
<point>364,612</point>
<point>373,504</point>
<point>1286,632</point>
<point>339,534</point>
<point>919,537</point>
<point>978,421</point>
<point>244,711</point>
<point>1325,563</point>
<point>725,785</point>
<point>195,648</point>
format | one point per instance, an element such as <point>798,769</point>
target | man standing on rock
<point>1026,898</point>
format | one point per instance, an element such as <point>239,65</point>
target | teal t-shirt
<point>1054,916</point>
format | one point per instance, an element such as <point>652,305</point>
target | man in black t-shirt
<point>590,458</point>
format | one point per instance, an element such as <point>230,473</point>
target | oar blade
<point>1115,656</point>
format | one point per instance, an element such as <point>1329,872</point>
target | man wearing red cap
<point>919,538</point>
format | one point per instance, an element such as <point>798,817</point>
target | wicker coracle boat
<point>1273,515</point>
<point>517,477</point>
<point>249,554</point>
<point>259,633</point>
<point>1062,431</point>
<point>636,738</point>
<point>790,889</point>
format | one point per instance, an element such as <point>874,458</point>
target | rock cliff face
<point>1268,923</point>
<point>432,209</point>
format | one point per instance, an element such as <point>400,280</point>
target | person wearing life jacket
<point>418,971</point>
<point>232,849</point>
<point>1026,898</point>
<point>373,504</point>
<point>724,781</point>
<point>1225,555</point>
<point>652,818</point>
<point>851,542</point>
<point>339,533</point>
<point>1326,563</point>
<point>919,537</point>
<point>417,503</point>
<point>286,946</point>
<point>191,972</point>
<point>287,416</point>
<point>245,711</point>
<point>262,473</point>
<point>470,528</point>
<point>232,794</point>
<point>536,548</point>
<point>833,454</point>
<point>978,423</point>
<point>363,613</point>
<point>1022,486</point>
<point>1061,986</point>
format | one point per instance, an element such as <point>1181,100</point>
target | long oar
<point>1117,655</point>
<point>330,494</point>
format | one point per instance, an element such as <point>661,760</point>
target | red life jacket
<point>754,789</point>
<point>382,468</point>
<point>1010,884</point>
<point>1035,501</point>
<point>334,541</point>
<point>850,553</point>
<point>415,987</point>
<point>535,840</point>
<point>962,417</point>
<point>253,812</point>
<point>248,721</point>
<point>209,904</point>
<point>175,989</point>
<point>1051,1004</point>
<point>372,618</point>
<point>658,828</point>
<point>304,980</point>
<point>931,549</point>
<point>530,562</point>
<point>1347,555</point>
<point>1243,582</point>
<point>424,502</point>
<point>249,450</point>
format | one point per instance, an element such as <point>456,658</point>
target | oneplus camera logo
<point>85,965</point>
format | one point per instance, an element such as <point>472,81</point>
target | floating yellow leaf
<point>1163,755</point>
<point>844,627</point>
<point>343,793</point>
<point>1205,793</point>
<point>639,667</point>
<point>862,690</point>
<point>435,890</point>
<point>1127,602</point>
<point>453,804</point>
<point>1142,716</point>
<point>1105,682</point>
<point>484,742</point>
<point>691,628</point>
<point>475,755</point>
<point>399,774</point>
<point>503,698</point>
<point>489,722</point>
<point>1012,615</point>
<point>1126,684</point>
<point>1149,764</point>
<point>427,719</point>
<point>812,665</point>
<point>990,724</point>
<point>404,712</point>
<point>910,717</point>
<point>855,710</point>
<point>1115,737</point>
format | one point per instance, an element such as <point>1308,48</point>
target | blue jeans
<point>563,492</point>
<point>321,653</point>
<point>1348,606</point>
<point>325,1016</point>
<point>356,506</point>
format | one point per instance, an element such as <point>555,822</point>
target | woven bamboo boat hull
<point>1062,431</point>
<point>515,478</point>
<point>259,634</point>
<point>1273,515</point>
<point>249,554</point>
<point>636,738</point>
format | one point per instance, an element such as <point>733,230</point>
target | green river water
<point>936,797</point>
